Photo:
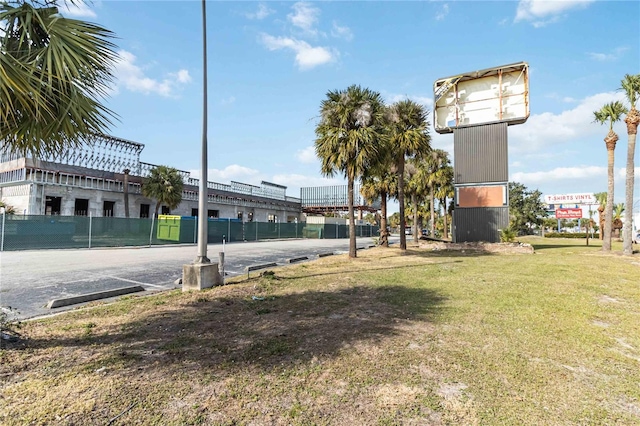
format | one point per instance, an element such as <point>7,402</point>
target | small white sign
<point>586,198</point>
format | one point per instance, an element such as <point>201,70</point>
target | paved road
<point>29,279</point>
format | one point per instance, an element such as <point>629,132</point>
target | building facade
<point>90,180</point>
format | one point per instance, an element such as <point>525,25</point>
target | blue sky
<point>272,63</point>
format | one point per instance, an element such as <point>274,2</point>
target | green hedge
<point>570,235</point>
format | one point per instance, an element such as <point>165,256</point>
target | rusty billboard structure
<point>477,107</point>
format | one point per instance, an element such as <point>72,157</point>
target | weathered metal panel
<point>499,94</point>
<point>480,224</point>
<point>481,154</point>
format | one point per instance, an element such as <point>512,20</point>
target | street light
<point>202,273</point>
<point>202,192</point>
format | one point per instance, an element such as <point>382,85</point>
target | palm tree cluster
<point>387,148</point>
<point>54,72</point>
<point>611,113</point>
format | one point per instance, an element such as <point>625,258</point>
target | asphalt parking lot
<point>30,279</point>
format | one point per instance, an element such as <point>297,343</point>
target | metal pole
<point>90,223</point>
<point>202,193</point>
<point>153,219</point>
<point>2,243</point>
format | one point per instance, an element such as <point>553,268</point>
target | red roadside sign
<point>568,213</point>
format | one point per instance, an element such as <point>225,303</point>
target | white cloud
<point>305,17</point>
<point>262,12</point>
<point>422,100</point>
<point>233,172</point>
<point>338,31</point>
<point>307,155</point>
<point>443,12</point>
<point>77,10</point>
<point>307,56</point>
<point>611,56</point>
<point>552,130</point>
<point>543,12</point>
<point>132,77</point>
<point>228,101</point>
<point>559,174</point>
<point>294,182</point>
<point>182,76</point>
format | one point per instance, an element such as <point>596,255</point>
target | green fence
<point>51,232</point>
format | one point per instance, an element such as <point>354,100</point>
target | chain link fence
<point>19,232</point>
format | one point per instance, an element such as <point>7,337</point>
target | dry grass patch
<point>420,338</point>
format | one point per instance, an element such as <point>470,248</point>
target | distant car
<point>637,239</point>
<point>425,232</point>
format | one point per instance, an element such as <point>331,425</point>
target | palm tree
<point>618,210</point>
<point>435,163</point>
<point>380,186</point>
<point>601,198</point>
<point>164,185</point>
<point>611,113</point>
<point>631,87</point>
<point>409,135</point>
<point>415,184</point>
<point>54,72</point>
<point>444,190</point>
<point>349,138</point>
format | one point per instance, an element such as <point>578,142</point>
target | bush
<point>507,235</point>
<point>569,235</point>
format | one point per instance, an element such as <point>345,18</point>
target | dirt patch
<point>479,247</point>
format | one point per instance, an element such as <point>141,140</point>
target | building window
<point>250,216</point>
<point>272,218</point>
<point>144,210</point>
<point>165,210</point>
<point>107,209</point>
<point>194,212</point>
<point>52,205</point>
<point>82,207</point>
<point>240,215</point>
<point>213,214</point>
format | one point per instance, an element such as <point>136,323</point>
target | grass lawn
<point>428,337</point>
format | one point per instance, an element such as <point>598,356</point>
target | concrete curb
<point>325,254</point>
<point>263,266</point>
<point>57,303</point>
<point>297,259</point>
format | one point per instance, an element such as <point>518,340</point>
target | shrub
<point>507,235</point>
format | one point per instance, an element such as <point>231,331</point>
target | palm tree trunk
<point>433,214</point>
<point>445,233</point>
<point>157,209</point>
<point>601,221</point>
<point>384,235</point>
<point>126,193</point>
<point>403,237</point>
<point>608,218</point>
<point>632,119</point>
<point>352,221</point>
<point>414,201</point>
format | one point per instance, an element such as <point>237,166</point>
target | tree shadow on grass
<point>537,247</point>
<point>241,330</point>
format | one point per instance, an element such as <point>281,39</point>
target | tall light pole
<point>202,193</point>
